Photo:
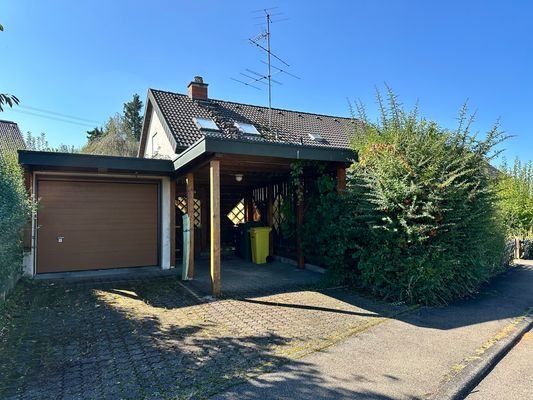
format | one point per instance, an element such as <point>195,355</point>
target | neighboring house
<point>220,162</point>
<point>10,138</point>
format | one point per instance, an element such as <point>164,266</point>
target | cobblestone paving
<point>153,340</point>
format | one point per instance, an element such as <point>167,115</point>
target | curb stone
<point>465,381</point>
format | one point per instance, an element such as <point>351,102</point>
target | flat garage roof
<point>75,161</point>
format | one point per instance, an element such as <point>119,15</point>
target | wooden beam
<point>214,174</point>
<point>190,212</point>
<point>197,165</point>
<point>270,218</point>
<point>173,222</point>
<point>341,178</point>
<point>299,222</point>
<point>248,206</point>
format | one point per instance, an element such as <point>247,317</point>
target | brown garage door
<point>84,225</point>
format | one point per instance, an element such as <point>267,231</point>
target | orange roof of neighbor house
<point>10,138</point>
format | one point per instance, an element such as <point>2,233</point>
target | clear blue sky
<point>86,58</point>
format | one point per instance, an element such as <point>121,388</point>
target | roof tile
<point>10,138</point>
<point>291,127</point>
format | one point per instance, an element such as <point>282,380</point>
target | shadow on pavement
<point>147,339</point>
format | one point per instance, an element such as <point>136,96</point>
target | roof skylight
<point>206,124</point>
<point>317,137</point>
<point>249,129</point>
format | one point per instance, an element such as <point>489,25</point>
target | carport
<point>217,174</point>
<point>105,212</point>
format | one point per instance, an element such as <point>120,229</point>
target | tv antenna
<point>253,78</point>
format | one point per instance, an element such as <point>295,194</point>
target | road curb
<point>462,384</point>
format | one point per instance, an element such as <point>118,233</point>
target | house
<point>218,161</point>
<point>10,138</point>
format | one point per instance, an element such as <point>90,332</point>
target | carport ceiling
<point>255,172</point>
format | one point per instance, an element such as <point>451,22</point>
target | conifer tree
<point>94,134</point>
<point>132,116</point>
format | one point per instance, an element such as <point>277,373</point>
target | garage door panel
<point>103,225</point>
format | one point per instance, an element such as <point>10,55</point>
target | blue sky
<point>86,58</point>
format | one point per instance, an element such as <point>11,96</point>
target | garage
<point>91,224</point>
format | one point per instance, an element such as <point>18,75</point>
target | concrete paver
<point>151,338</point>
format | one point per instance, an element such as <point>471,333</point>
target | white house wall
<point>157,143</point>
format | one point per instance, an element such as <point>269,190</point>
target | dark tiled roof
<point>292,127</point>
<point>10,137</point>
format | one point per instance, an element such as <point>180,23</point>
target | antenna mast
<point>269,73</point>
<point>261,78</point>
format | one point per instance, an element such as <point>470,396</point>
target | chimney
<point>198,89</point>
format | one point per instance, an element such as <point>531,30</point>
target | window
<point>248,129</point>
<point>181,204</point>
<point>236,215</point>
<point>206,124</point>
<point>317,137</point>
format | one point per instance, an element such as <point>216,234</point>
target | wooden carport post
<point>249,206</point>
<point>214,180</point>
<point>190,213</point>
<point>341,178</point>
<point>270,218</point>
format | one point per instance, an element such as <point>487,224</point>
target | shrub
<point>516,198</point>
<point>527,249</point>
<point>14,212</point>
<point>433,232</point>
<point>324,243</point>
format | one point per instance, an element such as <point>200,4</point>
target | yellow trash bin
<point>260,244</point>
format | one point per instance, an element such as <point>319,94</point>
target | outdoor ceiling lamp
<point>238,177</point>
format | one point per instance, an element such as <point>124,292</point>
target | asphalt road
<point>512,378</point>
<point>403,358</point>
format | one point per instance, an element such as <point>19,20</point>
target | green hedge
<point>15,208</point>
<point>434,231</point>
<point>419,221</point>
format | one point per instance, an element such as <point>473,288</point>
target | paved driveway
<point>153,339</point>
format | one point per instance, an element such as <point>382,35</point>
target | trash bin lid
<point>261,229</point>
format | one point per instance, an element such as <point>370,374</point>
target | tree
<point>5,98</point>
<point>8,99</point>
<point>116,140</point>
<point>40,143</point>
<point>37,143</point>
<point>94,134</point>
<point>516,198</point>
<point>132,116</point>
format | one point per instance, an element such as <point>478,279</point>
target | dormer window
<point>206,124</point>
<point>316,137</point>
<point>248,129</point>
